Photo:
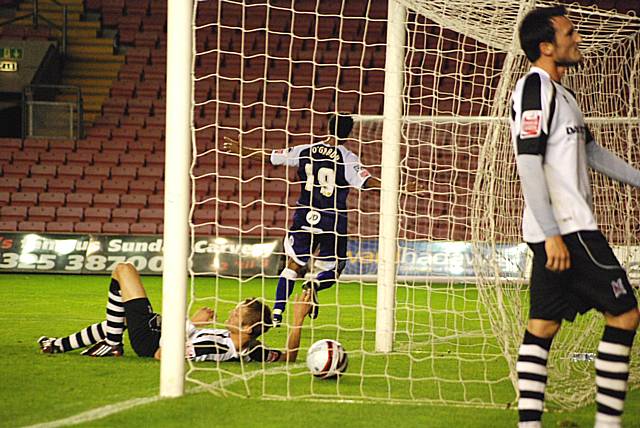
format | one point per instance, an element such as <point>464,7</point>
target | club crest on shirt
<point>618,288</point>
<point>531,125</point>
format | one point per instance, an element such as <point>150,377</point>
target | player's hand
<point>558,258</point>
<point>203,316</point>
<point>231,146</point>
<point>301,306</point>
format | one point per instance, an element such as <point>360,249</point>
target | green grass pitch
<point>38,388</point>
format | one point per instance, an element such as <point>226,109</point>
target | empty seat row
<point>65,213</point>
<point>81,227</point>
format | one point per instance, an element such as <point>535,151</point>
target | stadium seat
<point>60,226</point>
<point>8,225</point>
<point>80,199</point>
<point>89,185</point>
<point>155,201</point>
<point>116,228</point>
<point>117,185</point>
<point>144,228</point>
<point>31,226</point>
<point>135,159</point>
<point>125,171</point>
<point>29,157</point>
<point>142,186</point>
<point>36,144</point>
<point>155,159</point>
<point>5,197</point>
<point>24,199</point>
<point>69,214</point>
<point>19,170</point>
<point>52,199</point>
<point>44,170</point>
<point>133,201</point>
<point>106,200</point>
<point>41,213</point>
<point>70,171</point>
<point>97,214</point>
<point>88,227</point>
<point>151,215</point>
<point>9,184</point>
<point>12,144</point>
<point>11,213</point>
<point>107,158</point>
<point>54,157</point>
<point>34,184</point>
<point>89,145</point>
<point>96,171</point>
<point>154,172</point>
<point>80,158</point>
<point>118,146</point>
<point>124,215</point>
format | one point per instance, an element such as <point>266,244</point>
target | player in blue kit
<point>327,170</point>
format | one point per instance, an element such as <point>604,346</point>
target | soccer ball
<point>327,359</point>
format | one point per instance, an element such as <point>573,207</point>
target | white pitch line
<point>110,409</point>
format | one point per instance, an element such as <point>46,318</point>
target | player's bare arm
<point>301,308</point>
<point>232,146</point>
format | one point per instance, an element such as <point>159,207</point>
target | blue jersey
<point>326,172</point>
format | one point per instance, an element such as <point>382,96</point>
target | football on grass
<point>327,359</point>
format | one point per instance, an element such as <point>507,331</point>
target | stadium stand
<point>112,181</point>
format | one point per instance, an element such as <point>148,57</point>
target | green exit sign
<point>10,53</point>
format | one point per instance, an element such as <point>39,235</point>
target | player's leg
<point>297,247</point>
<point>123,278</point>
<point>548,306</point>
<point>331,261</point>
<point>87,336</point>
<point>612,367</point>
<point>605,283</point>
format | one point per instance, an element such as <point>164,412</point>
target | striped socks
<point>612,372</point>
<point>532,379</point>
<point>115,315</point>
<point>85,337</point>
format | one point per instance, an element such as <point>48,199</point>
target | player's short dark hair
<point>258,316</point>
<point>340,125</point>
<point>536,27</point>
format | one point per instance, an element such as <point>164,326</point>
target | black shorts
<point>595,280</point>
<point>143,325</point>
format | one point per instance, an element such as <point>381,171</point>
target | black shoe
<point>103,349</point>
<point>313,286</point>
<point>47,345</point>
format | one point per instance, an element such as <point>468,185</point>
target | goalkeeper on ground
<point>129,307</point>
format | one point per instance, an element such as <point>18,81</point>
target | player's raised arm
<point>301,308</point>
<point>232,146</point>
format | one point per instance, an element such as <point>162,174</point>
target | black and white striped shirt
<point>211,344</point>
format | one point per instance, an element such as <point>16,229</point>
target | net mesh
<point>268,73</point>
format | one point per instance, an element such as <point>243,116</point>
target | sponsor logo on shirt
<point>576,130</point>
<point>531,124</point>
<point>364,173</point>
<point>313,217</point>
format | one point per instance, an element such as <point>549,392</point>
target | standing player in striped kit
<point>128,300</point>
<point>574,269</point>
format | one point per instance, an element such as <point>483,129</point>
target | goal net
<point>268,73</point>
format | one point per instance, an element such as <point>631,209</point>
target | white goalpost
<point>432,304</point>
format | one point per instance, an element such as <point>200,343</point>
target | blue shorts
<point>317,231</point>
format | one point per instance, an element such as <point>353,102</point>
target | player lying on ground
<point>129,307</point>
<point>574,268</point>
<point>327,170</point>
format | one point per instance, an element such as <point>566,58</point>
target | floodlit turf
<point>39,388</point>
